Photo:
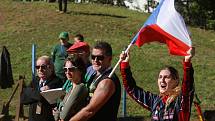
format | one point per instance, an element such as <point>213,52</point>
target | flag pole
<point>124,113</point>
<point>33,62</point>
<point>113,70</point>
<point>111,74</point>
<point>129,46</point>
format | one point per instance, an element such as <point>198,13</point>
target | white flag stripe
<point>171,22</point>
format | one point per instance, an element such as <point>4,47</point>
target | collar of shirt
<point>164,99</point>
<point>42,83</point>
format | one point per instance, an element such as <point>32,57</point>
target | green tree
<point>199,13</point>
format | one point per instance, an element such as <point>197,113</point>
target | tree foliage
<point>198,12</point>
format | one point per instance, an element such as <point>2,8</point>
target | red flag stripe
<point>155,33</point>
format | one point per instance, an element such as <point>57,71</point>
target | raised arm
<point>144,98</point>
<point>187,86</point>
<point>188,80</point>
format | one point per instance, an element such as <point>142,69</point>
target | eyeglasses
<point>70,69</point>
<point>98,57</point>
<point>43,66</point>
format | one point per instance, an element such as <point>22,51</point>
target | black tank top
<point>109,111</point>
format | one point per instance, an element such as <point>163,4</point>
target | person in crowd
<point>174,102</point>
<point>40,109</point>
<point>61,9</point>
<point>59,54</point>
<point>78,38</point>
<point>104,91</point>
<point>81,49</point>
<point>76,92</point>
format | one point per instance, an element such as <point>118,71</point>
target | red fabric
<point>184,114</point>
<point>164,99</point>
<point>124,65</point>
<point>79,46</point>
<point>155,33</point>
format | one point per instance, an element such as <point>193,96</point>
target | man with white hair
<point>40,109</point>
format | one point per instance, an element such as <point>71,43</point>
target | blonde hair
<point>173,94</point>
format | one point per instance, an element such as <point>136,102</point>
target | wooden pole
<point>1,117</point>
<point>18,107</point>
<point>5,109</point>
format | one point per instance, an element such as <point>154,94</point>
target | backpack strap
<point>95,82</point>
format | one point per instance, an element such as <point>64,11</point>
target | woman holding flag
<point>174,102</point>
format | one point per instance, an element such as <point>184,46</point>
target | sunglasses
<point>42,67</point>
<point>98,57</point>
<point>70,69</point>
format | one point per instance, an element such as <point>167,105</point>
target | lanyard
<point>94,84</point>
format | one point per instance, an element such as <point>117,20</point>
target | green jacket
<point>59,55</point>
<point>67,86</point>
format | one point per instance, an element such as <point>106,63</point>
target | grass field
<point>25,23</point>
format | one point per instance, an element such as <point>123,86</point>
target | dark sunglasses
<point>71,69</point>
<point>98,57</point>
<point>41,66</point>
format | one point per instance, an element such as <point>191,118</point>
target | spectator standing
<point>61,8</point>
<point>78,38</point>
<point>76,92</point>
<point>81,49</point>
<point>105,92</point>
<point>174,102</point>
<point>59,54</point>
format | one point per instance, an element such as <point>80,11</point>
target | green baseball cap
<point>64,35</point>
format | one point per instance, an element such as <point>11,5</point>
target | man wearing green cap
<point>59,54</point>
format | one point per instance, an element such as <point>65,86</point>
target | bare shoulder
<point>106,84</point>
<point>104,90</point>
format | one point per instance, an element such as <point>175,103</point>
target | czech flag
<point>165,25</point>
